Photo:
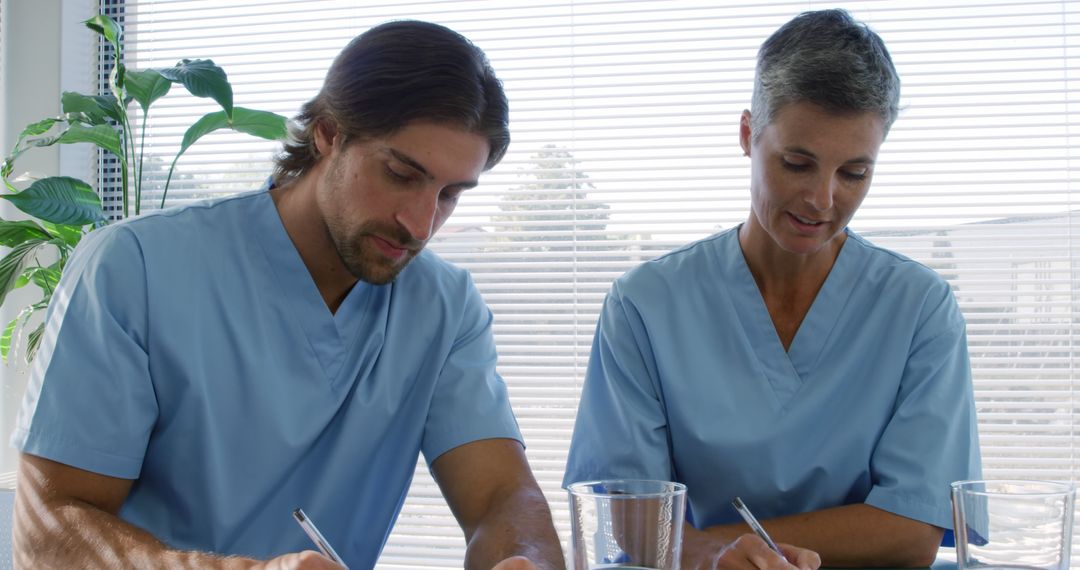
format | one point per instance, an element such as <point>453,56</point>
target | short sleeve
<point>90,402</point>
<point>470,401</point>
<point>621,429</point>
<point>931,439</point>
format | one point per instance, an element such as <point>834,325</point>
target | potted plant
<point>64,209</point>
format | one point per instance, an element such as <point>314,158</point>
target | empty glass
<point>1013,524</point>
<point>626,524</point>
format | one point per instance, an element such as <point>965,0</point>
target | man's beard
<point>363,261</point>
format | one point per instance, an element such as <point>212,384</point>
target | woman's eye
<point>854,175</point>
<point>794,166</point>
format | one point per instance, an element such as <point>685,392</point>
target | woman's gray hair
<point>829,59</point>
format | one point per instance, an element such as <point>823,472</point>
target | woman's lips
<point>805,224</point>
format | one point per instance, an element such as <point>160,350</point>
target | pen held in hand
<point>316,536</point>
<point>755,525</point>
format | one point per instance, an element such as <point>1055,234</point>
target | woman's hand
<point>515,563</point>
<point>702,552</point>
<point>306,560</point>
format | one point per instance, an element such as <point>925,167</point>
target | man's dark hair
<point>391,75</point>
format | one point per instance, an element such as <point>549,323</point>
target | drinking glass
<point>1013,524</point>
<point>626,523</point>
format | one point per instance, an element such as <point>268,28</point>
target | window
<point>625,118</point>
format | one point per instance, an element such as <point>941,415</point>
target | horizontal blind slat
<point>977,181</point>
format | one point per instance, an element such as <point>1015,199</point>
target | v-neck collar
<point>813,334</point>
<point>786,370</point>
<point>328,334</point>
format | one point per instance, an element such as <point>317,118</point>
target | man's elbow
<point>23,551</point>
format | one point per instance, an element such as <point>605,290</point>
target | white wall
<point>45,50</point>
<point>31,84</point>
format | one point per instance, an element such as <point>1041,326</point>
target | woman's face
<point>810,170</point>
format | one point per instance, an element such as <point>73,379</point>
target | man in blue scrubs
<point>789,362</point>
<point>208,369</point>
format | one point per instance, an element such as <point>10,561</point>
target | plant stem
<point>130,158</point>
<point>167,180</point>
<point>141,168</point>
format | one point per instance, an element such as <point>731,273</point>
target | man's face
<point>382,199</point>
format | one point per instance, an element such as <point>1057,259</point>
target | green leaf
<point>5,338</point>
<point>263,124</point>
<point>108,28</point>
<point>209,123</point>
<point>203,79</point>
<point>61,200</point>
<point>116,81</point>
<point>14,233</point>
<point>95,107</point>
<point>46,278</point>
<point>69,234</point>
<point>33,341</point>
<point>103,136</point>
<point>33,129</point>
<point>18,324</point>
<point>9,331</point>
<point>41,142</point>
<point>146,87</point>
<point>110,107</point>
<point>12,265</point>
<point>39,128</point>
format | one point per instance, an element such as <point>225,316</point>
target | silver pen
<point>316,536</point>
<point>756,526</point>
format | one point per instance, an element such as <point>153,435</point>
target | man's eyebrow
<point>402,157</point>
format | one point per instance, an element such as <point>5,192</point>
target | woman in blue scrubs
<point>788,361</point>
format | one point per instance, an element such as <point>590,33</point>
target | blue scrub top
<point>688,381</point>
<point>191,351</point>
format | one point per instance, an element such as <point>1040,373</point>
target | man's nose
<point>418,215</point>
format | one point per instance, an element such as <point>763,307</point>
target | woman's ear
<point>745,134</point>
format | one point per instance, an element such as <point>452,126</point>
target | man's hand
<point>67,518</point>
<point>491,490</point>
<point>515,563</point>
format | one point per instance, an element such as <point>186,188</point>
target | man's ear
<point>325,137</point>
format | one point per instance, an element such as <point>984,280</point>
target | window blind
<point>624,117</point>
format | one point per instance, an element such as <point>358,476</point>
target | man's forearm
<point>851,535</point>
<point>520,526</point>
<point>79,535</point>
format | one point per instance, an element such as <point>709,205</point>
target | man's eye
<point>395,175</point>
